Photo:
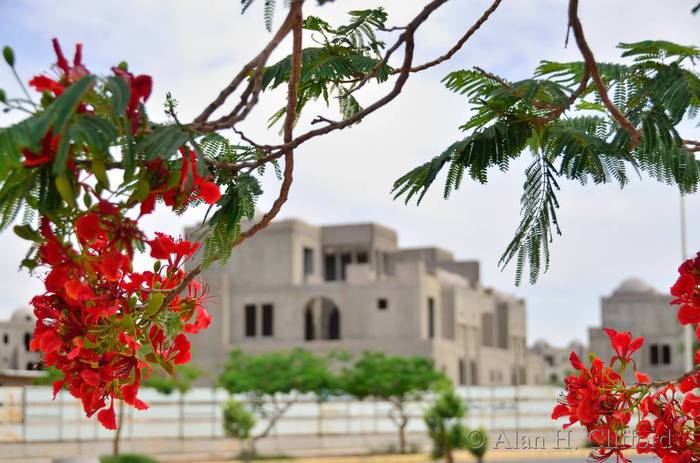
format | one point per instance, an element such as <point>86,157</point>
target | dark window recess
<point>345,259</point>
<point>308,261</point>
<point>250,320</point>
<point>666,354</point>
<point>268,311</point>
<point>654,351</point>
<point>362,257</point>
<point>329,267</point>
<point>27,340</point>
<point>334,324</point>
<point>6,338</point>
<point>309,328</point>
<point>431,317</point>
<point>462,372</point>
<point>473,373</point>
<point>382,304</point>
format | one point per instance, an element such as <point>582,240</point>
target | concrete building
<point>556,359</point>
<point>349,287</point>
<point>637,307</point>
<point>15,335</point>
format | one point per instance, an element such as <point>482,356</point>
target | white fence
<point>29,415</point>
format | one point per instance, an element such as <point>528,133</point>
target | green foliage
<point>477,443</point>
<point>270,7</point>
<point>236,203</point>
<point>384,377</point>
<point>443,421</point>
<point>52,190</point>
<point>334,69</point>
<point>392,379</point>
<point>49,376</point>
<point>181,380</point>
<point>127,458</point>
<point>238,420</point>
<point>570,134</point>
<point>271,373</point>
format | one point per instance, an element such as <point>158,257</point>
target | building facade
<point>556,359</point>
<point>350,288</point>
<point>637,307</point>
<point>15,335</point>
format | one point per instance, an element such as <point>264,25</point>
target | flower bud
<point>9,55</point>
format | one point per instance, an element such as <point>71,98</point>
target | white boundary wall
<point>27,414</point>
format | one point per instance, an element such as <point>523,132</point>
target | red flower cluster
<point>100,322</point>
<point>190,187</point>
<point>667,412</point>
<point>687,293</point>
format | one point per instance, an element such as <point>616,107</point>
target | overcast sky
<point>192,48</point>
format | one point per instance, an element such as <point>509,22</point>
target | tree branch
<point>460,43</point>
<point>407,37</point>
<point>680,379</point>
<point>592,67</point>
<point>296,14</point>
<point>256,63</point>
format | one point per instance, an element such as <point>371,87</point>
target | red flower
<point>67,74</point>
<point>139,89</point>
<point>77,291</point>
<point>685,284</point>
<point>642,378</point>
<point>49,145</point>
<point>46,84</point>
<point>88,228</point>
<point>688,314</point>
<point>202,318</point>
<point>165,247</point>
<point>107,417</point>
<point>623,344</point>
<point>209,192</point>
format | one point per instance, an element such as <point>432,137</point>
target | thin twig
<point>290,116</point>
<point>297,19</point>
<point>257,62</point>
<point>277,151</point>
<point>460,43</point>
<point>680,379</point>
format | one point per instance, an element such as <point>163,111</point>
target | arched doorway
<point>322,319</point>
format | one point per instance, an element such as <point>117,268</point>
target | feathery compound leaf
<point>584,154</point>
<point>492,146</point>
<point>530,246</point>
<point>658,50</point>
<point>656,92</point>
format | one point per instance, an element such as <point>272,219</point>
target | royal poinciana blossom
<point>650,417</point>
<point>101,322</point>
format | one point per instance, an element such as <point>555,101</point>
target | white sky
<point>193,48</point>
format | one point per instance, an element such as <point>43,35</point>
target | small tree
<point>264,378</point>
<point>396,380</point>
<point>477,443</point>
<point>443,420</point>
<point>239,422</point>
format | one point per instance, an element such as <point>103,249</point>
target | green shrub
<point>442,419</point>
<point>128,458</point>
<point>238,420</point>
<point>477,443</point>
